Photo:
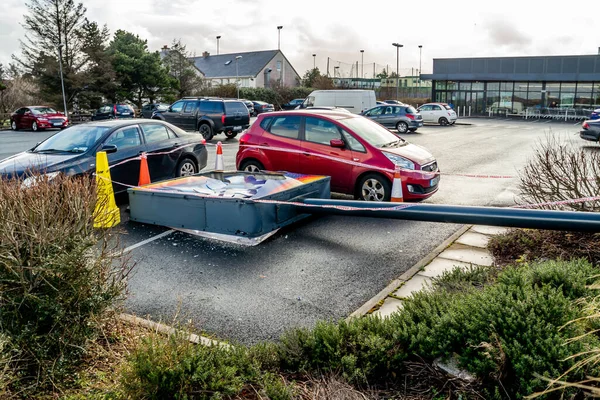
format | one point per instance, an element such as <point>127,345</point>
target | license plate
<point>420,123</point>
<point>434,181</point>
<point>57,124</point>
<point>237,128</point>
<point>124,113</point>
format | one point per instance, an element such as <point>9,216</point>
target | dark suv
<point>113,111</point>
<point>208,116</point>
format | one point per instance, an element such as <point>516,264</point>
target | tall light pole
<point>362,64</point>
<point>218,37</point>
<point>314,62</point>
<point>420,72</point>
<point>335,71</point>
<point>62,81</point>
<point>397,46</point>
<point>237,75</point>
<point>279,28</point>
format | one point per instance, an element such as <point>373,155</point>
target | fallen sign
<point>236,206</point>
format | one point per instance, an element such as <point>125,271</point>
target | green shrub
<point>459,278</point>
<point>506,332</point>
<point>359,350</point>
<point>520,245</point>
<point>58,276</point>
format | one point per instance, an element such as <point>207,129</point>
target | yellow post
<point>107,213</point>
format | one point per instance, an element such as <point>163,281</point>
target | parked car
<point>355,100</point>
<point>393,102</point>
<point>590,130</point>
<point>339,109</point>
<point>438,113</point>
<point>403,118</point>
<point>595,114</point>
<point>363,153</point>
<point>292,104</point>
<point>379,102</point>
<point>37,117</point>
<point>113,111</point>
<point>209,116</point>
<point>249,106</point>
<point>73,151</point>
<point>261,107</point>
<point>149,109</point>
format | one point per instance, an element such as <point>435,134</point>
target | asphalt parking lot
<point>321,268</point>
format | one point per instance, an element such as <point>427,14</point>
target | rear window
<point>123,108</point>
<point>264,124</point>
<point>411,110</point>
<point>447,107</point>
<point>234,107</point>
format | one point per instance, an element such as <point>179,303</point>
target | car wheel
<point>251,166</point>
<point>402,127</point>
<point>374,187</point>
<point>206,131</point>
<point>186,168</point>
<point>13,125</point>
<point>443,121</point>
<point>230,135</point>
<point>34,126</point>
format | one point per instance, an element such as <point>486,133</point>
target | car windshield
<point>375,134</point>
<point>43,110</point>
<point>76,139</point>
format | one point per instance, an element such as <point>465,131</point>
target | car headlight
<point>400,161</point>
<point>33,180</point>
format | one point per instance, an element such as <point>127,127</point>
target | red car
<point>360,155</point>
<point>37,117</point>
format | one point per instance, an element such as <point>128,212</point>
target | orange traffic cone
<point>219,161</point>
<point>397,187</point>
<point>144,172</point>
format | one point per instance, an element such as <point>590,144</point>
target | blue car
<point>595,114</point>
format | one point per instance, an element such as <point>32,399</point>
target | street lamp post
<point>397,46</point>
<point>420,72</point>
<point>362,64</point>
<point>314,61</point>
<point>62,81</point>
<point>237,75</point>
<point>218,37</point>
<point>279,28</point>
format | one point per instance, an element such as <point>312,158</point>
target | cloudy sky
<point>340,29</point>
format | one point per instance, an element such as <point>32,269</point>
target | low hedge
<point>509,330</point>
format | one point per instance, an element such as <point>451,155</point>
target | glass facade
<point>518,97</point>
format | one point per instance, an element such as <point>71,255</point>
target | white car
<point>438,113</point>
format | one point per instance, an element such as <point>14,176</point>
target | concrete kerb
<point>168,330</point>
<point>397,283</point>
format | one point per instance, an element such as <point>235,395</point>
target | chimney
<point>165,47</point>
<point>205,54</point>
<point>599,51</point>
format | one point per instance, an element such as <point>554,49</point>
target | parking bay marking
<point>149,240</point>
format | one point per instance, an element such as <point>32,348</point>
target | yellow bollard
<point>106,214</point>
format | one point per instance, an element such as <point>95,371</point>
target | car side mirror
<point>109,148</point>
<point>339,143</point>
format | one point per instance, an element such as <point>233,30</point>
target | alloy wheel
<point>373,190</point>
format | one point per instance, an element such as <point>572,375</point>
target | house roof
<point>251,64</point>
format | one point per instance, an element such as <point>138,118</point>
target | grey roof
<point>250,65</point>
<point>580,68</point>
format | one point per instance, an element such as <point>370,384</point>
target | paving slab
<point>460,252</point>
<point>390,306</point>
<point>416,283</point>
<point>474,239</point>
<point>440,265</point>
<point>489,230</point>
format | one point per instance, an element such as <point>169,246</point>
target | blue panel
<point>508,65</point>
<point>586,65</point>
<point>494,66</point>
<point>522,65</point>
<point>553,65</point>
<point>465,66</point>
<point>569,65</point>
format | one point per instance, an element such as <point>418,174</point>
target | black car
<point>590,130</point>
<point>261,107</point>
<point>249,105</point>
<point>149,109</point>
<point>73,151</point>
<point>113,111</point>
<point>208,116</point>
<point>292,104</point>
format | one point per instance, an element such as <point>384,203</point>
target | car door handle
<point>306,154</point>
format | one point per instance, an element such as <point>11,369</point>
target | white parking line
<point>152,239</point>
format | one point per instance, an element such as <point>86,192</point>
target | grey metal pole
<point>218,37</point>
<point>279,36</point>
<point>62,81</point>
<point>237,76</point>
<point>496,216</point>
<point>420,72</point>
